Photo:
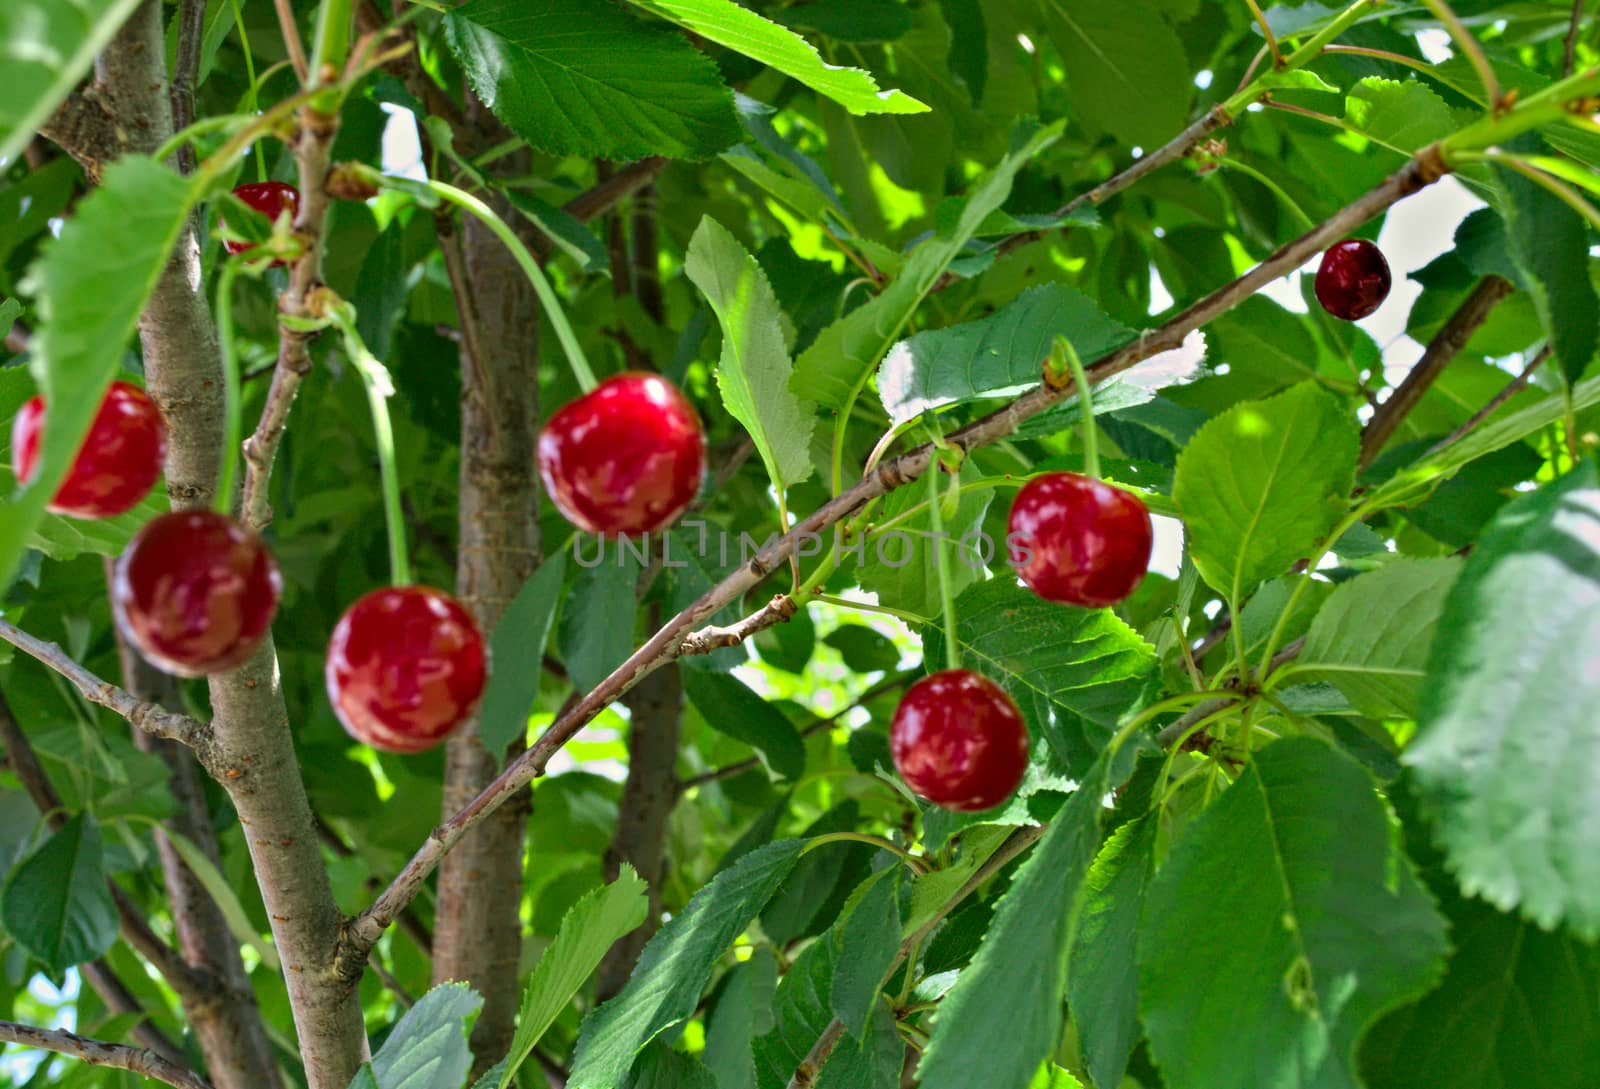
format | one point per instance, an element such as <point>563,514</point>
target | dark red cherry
<point>117,465</point>
<point>1353,279</point>
<point>959,741</point>
<point>195,591</point>
<point>1079,541</point>
<point>271,199</point>
<point>406,666</point>
<point>624,459</point>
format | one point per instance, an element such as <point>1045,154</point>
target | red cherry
<point>959,741</point>
<point>271,199</point>
<point>1080,541</point>
<point>117,465</point>
<point>1353,279</point>
<point>406,666</point>
<point>624,459</point>
<point>195,591</point>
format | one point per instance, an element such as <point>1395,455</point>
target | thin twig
<point>1172,733</point>
<point>1469,45</point>
<point>152,718</point>
<point>665,645</point>
<point>191,22</point>
<point>99,1053</point>
<point>1571,52</point>
<point>291,41</point>
<point>1514,387</point>
<point>711,637</point>
<point>1444,347</point>
<point>1266,32</point>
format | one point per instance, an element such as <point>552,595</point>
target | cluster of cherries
<point>196,591</point>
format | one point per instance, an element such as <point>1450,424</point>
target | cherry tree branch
<point>99,1053</point>
<point>191,23</point>
<point>152,718</point>
<point>712,638</point>
<point>1512,388</point>
<point>1445,346</point>
<point>666,644</point>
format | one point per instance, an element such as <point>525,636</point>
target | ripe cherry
<point>625,458</point>
<point>1079,541</point>
<point>271,199</point>
<point>1353,279</point>
<point>959,741</point>
<point>406,666</point>
<point>195,591</point>
<point>118,463</point>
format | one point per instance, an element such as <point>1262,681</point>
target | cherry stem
<point>252,94</point>
<point>380,387</point>
<point>232,428</point>
<point>530,267</point>
<point>947,596</point>
<point>1066,353</point>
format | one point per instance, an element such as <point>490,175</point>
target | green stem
<point>530,268</point>
<point>253,91</point>
<point>1172,703</point>
<point>379,387</point>
<point>911,860</point>
<point>1080,378</point>
<point>1469,46</point>
<point>1276,190</point>
<point>1308,52</point>
<point>862,606</point>
<point>332,44</point>
<point>1282,625</point>
<point>1538,109</point>
<point>197,130</point>
<point>947,596</point>
<point>232,428</point>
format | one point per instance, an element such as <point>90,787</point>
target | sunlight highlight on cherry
<point>406,666</point>
<point>195,592</point>
<point>626,458</point>
<point>1353,279</point>
<point>117,465</point>
<point>1082,541</point>
<point>959,741</point>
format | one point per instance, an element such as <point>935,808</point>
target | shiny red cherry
<point>117,465</point>
<point>195,591</point>
<point>406,666</point>
<point>1079,541</point>
<point>1353,279</point>
<point>625,458</point>
<point>959,741</point>
<point>271,199</point>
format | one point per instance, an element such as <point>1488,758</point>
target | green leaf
<point>859,21</point>
<point>516,653</point>
<point>593,925</point>
<point>1507,751</point>
<point>660,1067</point>
<point>428,1048</point>
<point>731,708</point>
<point>1003,1017</point>
<point>742,1013</point>
<point>56,903</point>
<point>753,374</point>
<point>832,371</point>
<point>575,77</point>
<point>10,311</point>
<point>91,285</point>
<point>1314,925</point>
<point>46,47</point>
<point>1550,243</point>
<point>864,649</point>
<point>568,234</point>
<point>1073,672</point>
<point>596,629</point>
<point>802,1013</point>
<point>867,938</point>
<point>1126,67</point>
<point>1261,485</point>
<point>1401,116</point>
<point>743,31</point>
<point>1103,980</point>
<point>997,356</point>
<point>676,965</point>
<point>900,564</point>
<point>1371,639</point>
<point>1517,1006</point>
<point>969,44</point>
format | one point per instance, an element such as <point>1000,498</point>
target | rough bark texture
<point>254,749</point>
<point>230,1031</point>
<point>477,927</point>
<point>655,709</point>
